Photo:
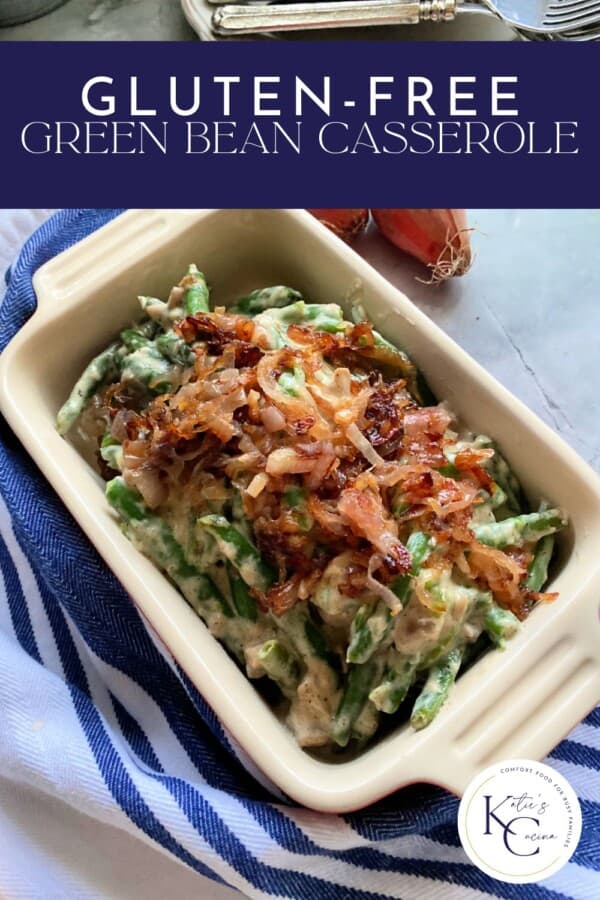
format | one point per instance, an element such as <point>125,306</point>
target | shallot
<point>438,237</point>
<point>346,223</point>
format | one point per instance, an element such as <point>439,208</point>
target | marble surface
<point>529,309</point>
<point>163,20</point>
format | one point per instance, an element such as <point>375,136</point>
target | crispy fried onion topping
<point>328,456</point>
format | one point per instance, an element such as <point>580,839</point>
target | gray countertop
<point>529,309</point>
<point>163,20</point>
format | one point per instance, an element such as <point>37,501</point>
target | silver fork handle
<point>234,20</point>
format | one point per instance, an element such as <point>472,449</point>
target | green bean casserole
<point>291,474</point>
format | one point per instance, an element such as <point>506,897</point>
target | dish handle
<point>539,697</point>
<point>135,234</point>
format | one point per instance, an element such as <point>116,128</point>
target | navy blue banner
<point>299,124</point>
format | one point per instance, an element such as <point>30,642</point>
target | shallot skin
<point>346,223</point>
<point>440,238</point>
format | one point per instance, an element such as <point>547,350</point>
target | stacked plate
<point>14,12</point>
<point>218,18</point>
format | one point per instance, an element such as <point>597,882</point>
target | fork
<point>547,17</point>
<point>591,33</point>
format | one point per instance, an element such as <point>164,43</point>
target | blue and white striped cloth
<point>93,716</point>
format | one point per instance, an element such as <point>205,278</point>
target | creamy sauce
<point>418,631</point>
<point>315,704</point>
<point>327,595</point>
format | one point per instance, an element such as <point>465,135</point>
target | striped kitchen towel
<point>94,715</point>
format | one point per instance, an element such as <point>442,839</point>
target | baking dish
<point>518,703</point>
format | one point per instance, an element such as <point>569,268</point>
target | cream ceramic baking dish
<point>517,703</point>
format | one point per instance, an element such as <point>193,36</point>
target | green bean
<point>292,383</point>
<point>126,501</point>
<point>156,540</point>
<point>388,695</point>
<point>147,328</point>
<point>500,624</point>
<point>449,471</point>
<point>385,353</point>
<point>368,631</point>
<point>101,368</point>
<point>521,529</point>
<point>280,665</point>
<point>244,603</point>
<point>240,552</point>
<point>537,573</point>
<point>389,354</point>
<point>293,624</point>
<point>318,645</point>
<point>296,499</point>
<point>159,312</point>
<point>238,513</point>
<point>149,367</point>
<point>197,295</point>
<point>402,669</point>
<point>324,316</point>
<point>366,724</point>
<point>369,628</point>
<point>148,358</point>
<point>419,546</point>
<point>476,605</point>
<point>356,693</point>
<point>507,480</point>
<point>175,349</point>
<point>134,339</point>
<point>436,689</point>
<point>266,298</point>
<point>295,496</point>
<point>497,496</point>
<point>320,316</point>
<point>111,452</point>
<point>306,637</point>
